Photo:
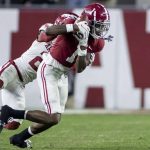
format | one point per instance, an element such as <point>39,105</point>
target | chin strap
<point>109,38</point>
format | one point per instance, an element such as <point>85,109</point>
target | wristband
<point>69,27</point>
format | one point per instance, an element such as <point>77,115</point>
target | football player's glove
<point>80,51</point>
<point>83,34</point>
<point>91,58</point>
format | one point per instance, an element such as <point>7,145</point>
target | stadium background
<point>119,77</point>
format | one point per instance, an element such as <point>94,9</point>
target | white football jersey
<point>30,60</point>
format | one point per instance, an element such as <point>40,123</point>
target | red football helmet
<point>99,19</point>
<point>66,18</point>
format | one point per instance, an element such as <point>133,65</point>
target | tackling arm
<point>61,29</point>
<point>49,32</point>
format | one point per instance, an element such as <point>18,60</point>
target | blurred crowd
<point>73,3</point>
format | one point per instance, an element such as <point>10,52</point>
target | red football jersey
<point>64,47</point>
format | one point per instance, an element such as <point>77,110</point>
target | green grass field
<point>91,132</point>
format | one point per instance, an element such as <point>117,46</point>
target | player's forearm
<point>61,29</point>
<point>81,64</point>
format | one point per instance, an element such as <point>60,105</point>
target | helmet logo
<point>90,11</point>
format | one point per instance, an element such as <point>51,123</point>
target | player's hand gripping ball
<point>82,23</point>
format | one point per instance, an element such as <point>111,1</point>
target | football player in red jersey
<point>65,51</point>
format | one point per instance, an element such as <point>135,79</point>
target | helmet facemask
<point>99,29</point>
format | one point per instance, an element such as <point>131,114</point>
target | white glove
<point>83,34</point>
<point>81,52</point>
<point>45,26</point>
<point>83,26</point>
<point>92,58</point>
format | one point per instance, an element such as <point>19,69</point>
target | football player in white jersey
<point>15,74</point>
